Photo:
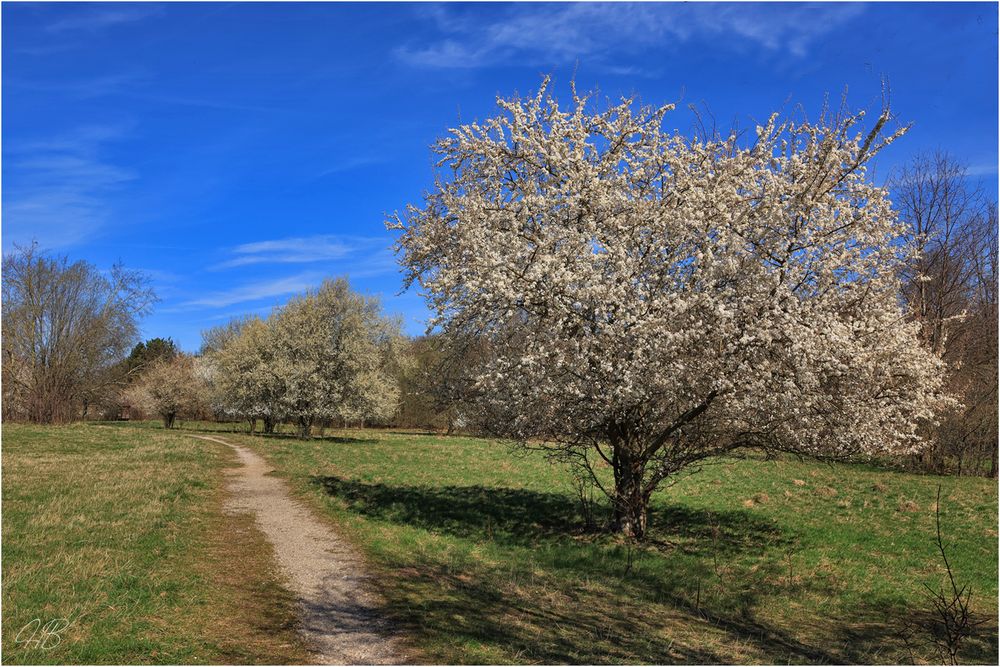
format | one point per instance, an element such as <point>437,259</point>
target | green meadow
<point>485,556</point>
<point>482,555</point>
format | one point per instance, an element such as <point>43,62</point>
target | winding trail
<point>339,613</point>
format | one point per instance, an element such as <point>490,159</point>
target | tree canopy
<point>148,352</point>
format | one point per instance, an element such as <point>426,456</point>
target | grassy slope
<point>483,559</point>
<point>122,533</point>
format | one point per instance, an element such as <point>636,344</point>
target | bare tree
<point>951,286</point>
<point>437,382</point>
<point>418,405</point>
<point>215,338</point>
<point>952,621</point>
<point>64,327</point>
<point>932,195</point>
<point>981,358</point>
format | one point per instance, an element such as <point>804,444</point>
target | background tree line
<point>71,351</point>
<point>328,356</point>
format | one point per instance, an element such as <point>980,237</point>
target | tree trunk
<point>253,425</point>
<point>631,511</point>
<point>631,503</point>
<point>168,419</point>
<point>305,427</point>
<point>269,425</point>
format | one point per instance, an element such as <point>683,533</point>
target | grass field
<point>483,557</point>
<point>120,533</point>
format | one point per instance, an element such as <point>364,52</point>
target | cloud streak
<point>57,191</point>
<point>545,34</point>
<point>982,169</point>
<point>304,250</point>
<point>256,291</point>
<point>350,256</point>
<point>90,19</point>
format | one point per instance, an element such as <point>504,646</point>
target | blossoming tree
<point>170,388</point>
<point>335,351</point>
<point>247,374</point>
<point>652,300</point>
<point>327,354</point>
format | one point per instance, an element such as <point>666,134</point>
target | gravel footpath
<point>339,614</point>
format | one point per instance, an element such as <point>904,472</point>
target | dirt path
<point>339,614</point>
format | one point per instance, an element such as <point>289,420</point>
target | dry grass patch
<point>907,506</point>
<point>121,532</point>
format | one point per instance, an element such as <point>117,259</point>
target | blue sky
<point>239,153</point>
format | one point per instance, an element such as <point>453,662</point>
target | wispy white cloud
<point>548,34</point>
<point>353,257</point>
<point>205,102</point>
<point>377,264</point>
<point>82,88</point>
<point>256,291</point>
<point>89,18</point>
<point>304,250</point>
<point>57,190</point>
<point>160,276</point>
<point>136,85</point>
<point>351,163</point>
<point>982,169</point>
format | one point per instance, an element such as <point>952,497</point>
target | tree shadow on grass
<point>543,624</point>
<point>524,517</point>
<point>554,633</point>
<point>540,611</point>
<point>238,428</point>
<point>479,619</point>
<point>341,439</point>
